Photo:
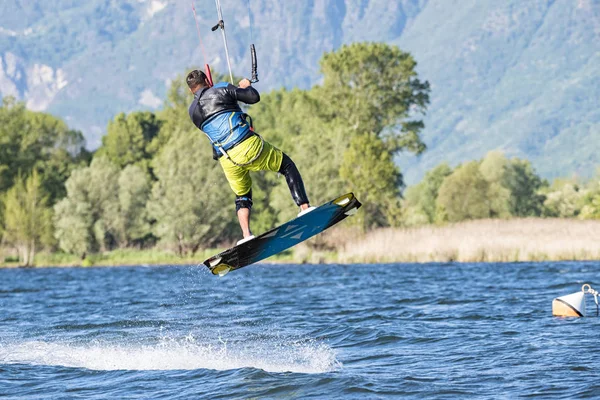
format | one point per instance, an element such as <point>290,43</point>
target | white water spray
<point>176,354</point>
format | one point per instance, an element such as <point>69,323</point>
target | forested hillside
<point>514,75</point>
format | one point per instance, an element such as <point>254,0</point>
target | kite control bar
<point>254,64</point>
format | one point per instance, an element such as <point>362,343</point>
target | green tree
<point>57,168</point>
<point>72,226</point>
<point>420,199</point>
<point>373,87</point>
<point>15,142</point>
<point>493,168</point>
<point>103,189</point>
<point>524,186</point>
<point>85,220</point>
<point>174,115</point>
<point>464,195</point>
<point>369,170</point>
<point>191,201</point>
<point>28,219</point>
<point>134,191</point>
<point>591,199</point>
<point>514,186</point>
<point>564,199</point>
<point>591,207</point>
<point>128,139</point>
<point>31,140</point>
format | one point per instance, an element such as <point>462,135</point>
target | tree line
<point>497,187</point>
<point>153,182</point>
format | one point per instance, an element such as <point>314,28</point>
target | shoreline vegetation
<point>489,240</point>
<point>153,183</point>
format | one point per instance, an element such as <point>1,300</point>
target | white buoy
<point>571,305</point>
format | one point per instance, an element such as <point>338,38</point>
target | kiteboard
<point>283,237</point>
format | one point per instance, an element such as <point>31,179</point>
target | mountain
<point>515,75</point>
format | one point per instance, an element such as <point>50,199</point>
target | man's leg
<point>243,205</point>
<point>273,159</point>
<point>270,159</point>
<point>294,181</point>
<point>241,184</point>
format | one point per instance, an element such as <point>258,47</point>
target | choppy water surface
<point>357,331</point>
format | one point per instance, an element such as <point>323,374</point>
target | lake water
<point>298,331</point>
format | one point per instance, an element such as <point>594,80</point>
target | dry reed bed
<point>480,241</point>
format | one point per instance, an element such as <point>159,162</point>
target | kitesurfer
<point>215,111</point>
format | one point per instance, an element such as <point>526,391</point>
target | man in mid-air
<point>215,111</point>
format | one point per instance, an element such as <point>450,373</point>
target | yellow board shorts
<point>239,177</point>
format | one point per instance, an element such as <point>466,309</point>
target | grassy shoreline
<point>516,240</point>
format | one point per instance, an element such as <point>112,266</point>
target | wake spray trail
<point>186,353</point>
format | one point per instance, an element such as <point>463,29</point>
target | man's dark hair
<point>196,78</point>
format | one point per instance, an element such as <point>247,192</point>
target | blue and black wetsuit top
<point>216,112</point>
